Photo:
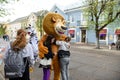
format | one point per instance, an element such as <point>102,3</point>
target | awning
<point>117,31</point>
<point>103,31</point>
<point>71,31</point>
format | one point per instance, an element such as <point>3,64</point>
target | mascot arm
<point>42,49</point>
<point>54,49</point>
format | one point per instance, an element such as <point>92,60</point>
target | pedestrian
<point>118,44</point>
<point>64,57</point>
<point>28,56</point>
<point>7,37</point>
<point>48,58</point>
<point>4,37</point>
<point>1,66</point>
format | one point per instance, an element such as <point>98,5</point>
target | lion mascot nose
<point>63,27</point>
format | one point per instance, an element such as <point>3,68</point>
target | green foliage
<point>3,10</point>
<point>42,13</point>
<point>2,29</point>
<point>39,24</point>
<point>101,13</point>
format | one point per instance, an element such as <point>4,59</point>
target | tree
<point>2,29</point>
<point>101,13</point>
<point>42,13</point>
<point>39,25</point>
<point>3,10</point>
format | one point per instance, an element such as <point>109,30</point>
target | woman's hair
<point>48,40</point>
<point>67,39</point>
<point>20,41</point>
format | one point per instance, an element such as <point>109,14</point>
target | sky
<point>25,7</point>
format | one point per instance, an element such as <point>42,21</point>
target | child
<point>64,57</point>
<point>21,43</point>
<point>48,56</point>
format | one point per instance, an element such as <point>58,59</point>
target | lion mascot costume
<point>53,24</point>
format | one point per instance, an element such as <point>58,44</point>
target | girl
<point>48,56</point>
<point>64,57</point>
<point>21,43</point>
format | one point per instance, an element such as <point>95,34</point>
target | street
<point>89,64</point>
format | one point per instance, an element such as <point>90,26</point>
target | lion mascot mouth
<point>60,29</point>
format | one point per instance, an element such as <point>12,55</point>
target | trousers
<point>2,72</point>
<point>46,74</point>
<point>64,66</point>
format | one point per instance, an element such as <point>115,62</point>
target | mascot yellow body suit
<point>53,24</point>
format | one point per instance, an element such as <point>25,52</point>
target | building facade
<point>79,32</point>
<point>13,26</point>
<point>33,19</point>
<point>76,23</point>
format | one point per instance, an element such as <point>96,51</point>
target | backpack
<point>14,64</point>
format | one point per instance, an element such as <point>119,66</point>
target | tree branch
<point>110,20</point>
<point>102,7</point>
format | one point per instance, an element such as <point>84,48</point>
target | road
<point>89,64</point>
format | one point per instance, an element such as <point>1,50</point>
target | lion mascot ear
<point>53,19</point>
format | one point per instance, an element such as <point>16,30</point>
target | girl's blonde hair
<point>20,41</point>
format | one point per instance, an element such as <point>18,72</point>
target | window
<point>71,18</point>
<point>78,23</point>
<point>55,11</point>
<point>83,17</point>
<point>71,33</point>
<point>102,36</point>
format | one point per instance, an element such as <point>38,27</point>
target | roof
<point>26,17</point>
<point>75,5</point>
<point>19,19</point>
<point>39,13</point>
<point>58,6</point>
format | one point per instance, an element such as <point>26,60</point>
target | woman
<point>64,57</point>
<point>28,56</point>
<point>47,56</point>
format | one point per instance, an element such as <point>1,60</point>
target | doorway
<point>118,36</point>
<point>83,36</point>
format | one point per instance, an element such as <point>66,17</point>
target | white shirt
<point>63,45</point>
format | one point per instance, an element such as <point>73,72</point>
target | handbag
<point>45,63</point>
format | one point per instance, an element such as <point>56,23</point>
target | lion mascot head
<point>54,24</point>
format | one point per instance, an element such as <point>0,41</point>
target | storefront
<point>103,34</point>
<point>117,33</point>
<point>71,33</point>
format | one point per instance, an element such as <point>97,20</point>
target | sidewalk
<point>93,47</point>
<point>89,46</point>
